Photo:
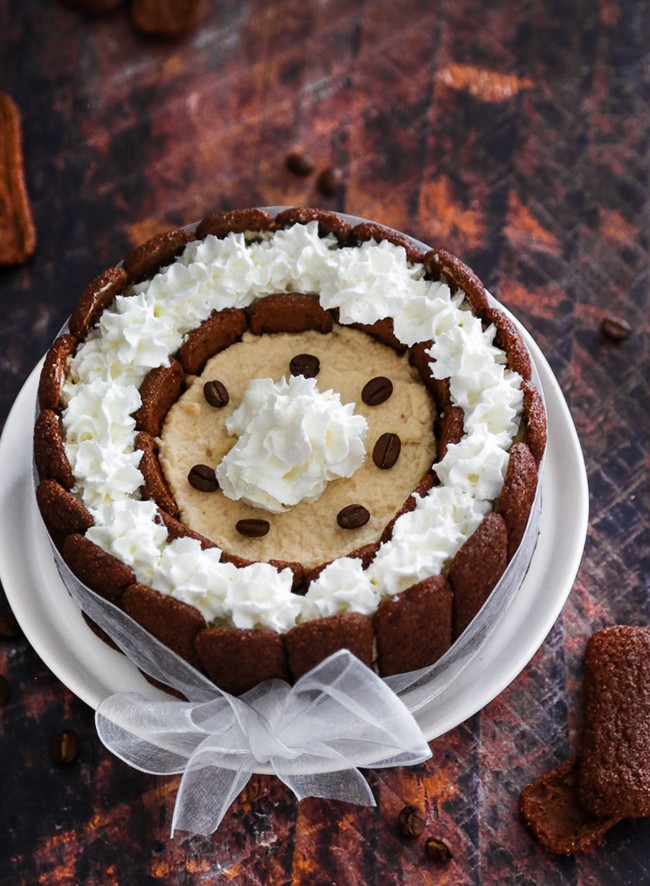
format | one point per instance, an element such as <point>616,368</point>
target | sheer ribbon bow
<point>306,735</point>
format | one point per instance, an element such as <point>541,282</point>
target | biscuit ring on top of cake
<point>410,629</point>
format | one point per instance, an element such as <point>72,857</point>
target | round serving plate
<point>53,624</point>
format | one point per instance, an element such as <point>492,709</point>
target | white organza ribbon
<point>307,734</point>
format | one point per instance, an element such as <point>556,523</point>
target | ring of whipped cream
<point>368,282</point>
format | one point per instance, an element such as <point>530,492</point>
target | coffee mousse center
<point>200,431</point>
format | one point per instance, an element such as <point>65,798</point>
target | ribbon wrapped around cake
<point>314,735</point>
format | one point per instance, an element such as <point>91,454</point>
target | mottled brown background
<point>513,133</point>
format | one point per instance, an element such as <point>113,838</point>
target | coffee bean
<point>615,328</point>
<point>305,364</point>
<point>64,746</point>
<point>202,477</point>
<point>352,516</point>
<point>329,181</point>
<point>299,162</point>
<point>377,391</point>
<point>438,850</point>
<point>253,528</point>
<point>386,451</point>
<point>5,690</point>
<point>9,627</point>
<point>216,393</point>
<point>411,821</point>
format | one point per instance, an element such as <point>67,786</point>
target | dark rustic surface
<point>515,134</point>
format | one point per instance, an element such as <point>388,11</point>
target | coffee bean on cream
<point>305,364</point>
<point>202,477</point>
<point>253,528</point>
<point>386,450</point>
<point>377,391</point>
<point>216,393</point>
<point>352,516</point>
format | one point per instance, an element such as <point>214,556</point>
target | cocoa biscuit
<point>328,222</point>
<point>549,806</point>
<point>237,221</point>
<point>155,486</point>
<point>288,312</point>
<point>614,773</point>
<point>517,494</point>
<point>60,509</point>
<point>449,269</point>
<point>159,391</point>
<point>53,372</point>
<point>509,339</point>
<point>97,296</point>
<point>17,230</point>
<point>413,628</point>
<point>450,429</point>
<point>158,252</point>
<point>258,654</point>
<point>174,623</point>
<point>366,553</point>
<point>438,388</point>
<point>426,482</point>
<point>219,331</point>
<point>101,571</point>
<point>176,529</point>
<point>382,330</point>
<point>311,642</point>
<point>166,18</point>
<point>49,450</point>
<point>535,420</point>
<point>476,568</point>
<point>365,231</point>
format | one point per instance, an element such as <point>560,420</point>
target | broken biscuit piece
<point>550,808</point>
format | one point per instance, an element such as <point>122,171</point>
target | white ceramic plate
<point>54,626</point>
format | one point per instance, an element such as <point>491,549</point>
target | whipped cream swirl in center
<point>293,439</point>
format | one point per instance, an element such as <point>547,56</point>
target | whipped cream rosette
<point>292,440</point>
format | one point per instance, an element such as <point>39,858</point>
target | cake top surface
<point>364,283</point>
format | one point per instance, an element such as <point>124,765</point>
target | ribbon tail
<point>206,793</point>
<point>347,785</point>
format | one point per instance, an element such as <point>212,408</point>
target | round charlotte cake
<point>272,436</point>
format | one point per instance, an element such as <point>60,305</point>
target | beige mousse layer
<point>194,433</point>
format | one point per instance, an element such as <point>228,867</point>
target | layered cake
<point>269,437</point>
